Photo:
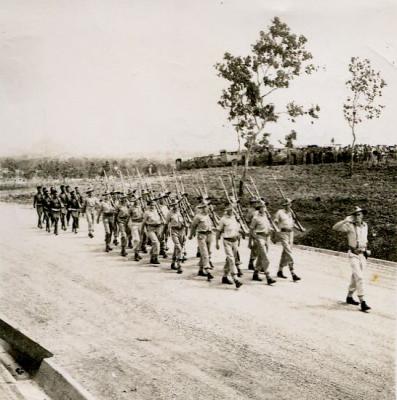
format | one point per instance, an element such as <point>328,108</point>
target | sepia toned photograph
<point>198,199</point>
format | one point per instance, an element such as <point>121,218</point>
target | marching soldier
<point>115,203</point>
<point>229,229</point>
<point>203,226</point>
<point>122,217</point>
<point>46,209</point>
<point>152,222</point>
<point>106,210</point>
<point>252,210</point>
<point>55,207</point>
<point>357,238</point>
<point>38,204</point>
<point>135,225</point>
<point>164,229</point>
<point>260,230</point>
<point>81,201</point>
<point>177,228</point>
<point>90,205</point>
<point>285,221</point>
<point>74,208</point>
<point>65,200</point>
<point>68,213</point>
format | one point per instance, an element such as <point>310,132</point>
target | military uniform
<point>357,238</point>
<point>177,227</point>
<point>122,218</point>
<point>250,214</point>
<point>285,221</point>
<point>74,208</point>
<point>164,230</point>
<point>135,226</point>
<point>106,210</point>
<point>203,226</point>
<point>90,205</point>
<point>152,222</point>
<point>229,229</point>
<point>55,208</point>
<point>38,204</point>
<point>260,230</point>
<point>65,201</point>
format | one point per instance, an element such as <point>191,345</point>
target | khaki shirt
<point>284,219</point>
<point>357,235</point>
<point>136,214</point>
<point>202,223</point>
<point>164,210</point>
<point>229,227</point>
<point>151,217</point>
<point>175,220</point>
<point>260,224</point>
<point>91,203</point>
<point>106,207</point>
<point>123,213</point>
<point>250,214</point>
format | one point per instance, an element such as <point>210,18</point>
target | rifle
<point>243,224</point>
<point>294,216</point>
<point>269,217</point>
<point>238,206</point>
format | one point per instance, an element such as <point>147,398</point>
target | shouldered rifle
<point>294,216</point>
<point>243,224</point>
<point>269,217</point>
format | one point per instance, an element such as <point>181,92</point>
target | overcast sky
<point>114,77</point>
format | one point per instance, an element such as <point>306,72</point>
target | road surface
<point>127,330</point>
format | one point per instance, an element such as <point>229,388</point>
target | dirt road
<point>133,331</point>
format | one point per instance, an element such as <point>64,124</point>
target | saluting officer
<point>203,226</point>
<point>260,230</point>
<point>229,229</point>
<point>285,221</point>
<point>357,238</point>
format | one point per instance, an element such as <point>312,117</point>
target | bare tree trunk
<point>352,151</point>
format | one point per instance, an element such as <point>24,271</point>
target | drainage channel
<point>27,371</point>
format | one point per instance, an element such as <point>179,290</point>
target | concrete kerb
<point>345,255</point>
<point>54,380</point>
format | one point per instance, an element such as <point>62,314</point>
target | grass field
<point>323,194</point>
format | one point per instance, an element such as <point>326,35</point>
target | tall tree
<point>277,57</point>
<point>366,87</point>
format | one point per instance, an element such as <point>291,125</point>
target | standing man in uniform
<point>164,228</point>
<point>38,204</point>
<point>285,221</point>
<point>260,230</point>
<point>90,205</point>
<point>106,210</point>
<point>46,209</point>
<point>229,229</point>
<point>177,228</point>
<point>152,222</point>
<point>203,226</point>
<point>357,239</point>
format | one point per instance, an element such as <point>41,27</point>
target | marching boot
<point>137,257</point>
<point>143,249</point>
<point>198,253</point>
<point>350,300</point>
<point>179,270</point>
<point>123,243</point>
<point>281,275</point>
<point>155,260</point>
<point>239,272</point>
<point>237,283</point>
<point>201,272</point>
<point>184,257</point>
<point>251,266</point>
<point>129,243</point>
<point>270,280</point>
<point>108,238</point>
<point>364,306</point>
<point>173,266</point>
<point>209,276</point>
<point>295,277</point>
<point>255,277</point>
<point>226,281</point>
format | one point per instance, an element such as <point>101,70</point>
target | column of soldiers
<point>144,218</point>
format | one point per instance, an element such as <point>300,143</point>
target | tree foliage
<point>276,59</point>
<point>366,87</point>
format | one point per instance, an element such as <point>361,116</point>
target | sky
<point>123,77</point>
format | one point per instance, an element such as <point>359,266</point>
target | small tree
<point>289,139</point>
<point>277,58</point>
<point>366,86</point>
